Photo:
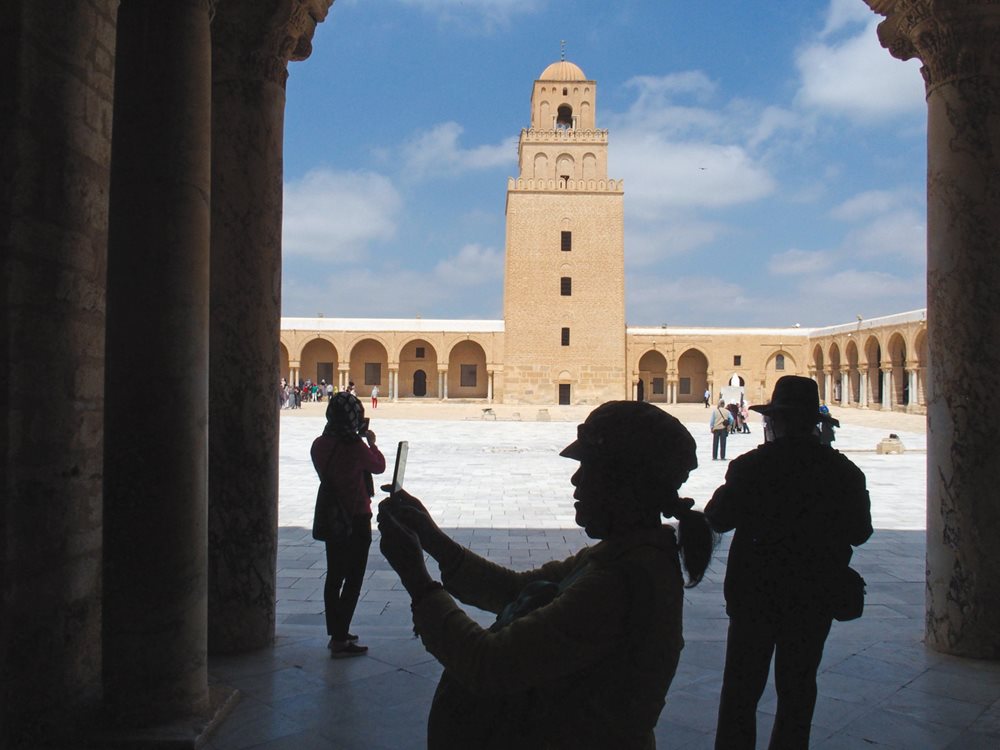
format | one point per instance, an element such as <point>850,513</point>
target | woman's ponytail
<point>697,541</point>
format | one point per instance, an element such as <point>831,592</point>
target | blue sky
<point>773,156</point>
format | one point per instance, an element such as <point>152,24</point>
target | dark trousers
<point>719,442</point>
<point>797,645</point>
<point>346,561</point>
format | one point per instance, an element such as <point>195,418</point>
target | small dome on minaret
<point>563,70</point>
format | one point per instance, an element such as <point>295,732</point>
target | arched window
<point>564,117</point>
<point>779,362</point>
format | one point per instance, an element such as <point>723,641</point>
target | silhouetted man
<point>797,508</point>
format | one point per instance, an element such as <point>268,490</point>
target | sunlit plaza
<point>499,486</point>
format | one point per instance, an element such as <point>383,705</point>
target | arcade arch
<point>283,366</point>
<point>923,371</point>
<point>418,366</point>
<point>819,374</point>
<point>369,366</point>
<point>836,388</point>
<point>467,376</point>
<point>318,362</point>
<point>896,377</point>
<point>873,371</point>
<point>853,373</point>
<point>652,385</point>
<point>692,376</point>
<point>779,363</point>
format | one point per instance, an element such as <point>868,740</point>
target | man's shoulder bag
<point>848,595</point>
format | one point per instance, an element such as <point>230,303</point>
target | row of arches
<point>693,374</point>
<point>415,371</point>
<point>887,371</point>
<point>565,167</point>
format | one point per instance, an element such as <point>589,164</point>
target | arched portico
<point>872,374</point>
<point>692,376</point>
<point>369,367</point>
<point>853,374</point>
<point>418,365</point>
<point>284,371</point>
<point>318,362</point>
<point>921,371</point>
<point>467,376</point>
<point>897,380</point>
<point>817,372</point>
<point>835,385</point>
<point>779,363</point>
<point>653,376</point>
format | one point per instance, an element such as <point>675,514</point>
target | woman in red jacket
<point>345,464</point>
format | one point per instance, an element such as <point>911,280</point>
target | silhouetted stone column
<point>251,46</point>
<point>55,161</point>
<point>959,45</point>
<point>156,417</point>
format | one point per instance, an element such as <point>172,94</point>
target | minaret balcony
<point>564,135</point>
<point>527,185</point>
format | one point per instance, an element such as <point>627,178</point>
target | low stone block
<point>889,445</point>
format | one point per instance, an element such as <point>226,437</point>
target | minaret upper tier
<point>563,149</point>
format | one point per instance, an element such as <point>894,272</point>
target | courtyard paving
<point>500,488</point>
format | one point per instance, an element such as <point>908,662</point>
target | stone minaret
<point>564,287</point>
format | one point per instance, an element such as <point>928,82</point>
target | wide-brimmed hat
<point>793,395</point>
<point>635,437</point>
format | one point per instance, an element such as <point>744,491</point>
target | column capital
<point>255,41</point>
<point>953,40</point>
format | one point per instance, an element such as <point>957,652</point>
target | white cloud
<point>470,280</point>
<point>474,264</point>
<point>900,234</point>
<point>661,174</point>
<point>855,77</point>
<point>437,152</point>
<point>864,205</point>
<point>798,262</point>
<point>487,13</point>
<point>858,286</point>
<point>689,300</point>
<point>652,241</point>
<point>334,215</point>
<point>673,155</point>
<point>890,224</point>
<point>842,13</point>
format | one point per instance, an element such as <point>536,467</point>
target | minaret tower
<point>564,285</point>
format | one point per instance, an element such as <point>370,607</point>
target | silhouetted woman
<point>584,649</point>
<point>346,463</point>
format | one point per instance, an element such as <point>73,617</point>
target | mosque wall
<point>673,364</point>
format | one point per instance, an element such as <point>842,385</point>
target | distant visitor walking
<point>718,424</point>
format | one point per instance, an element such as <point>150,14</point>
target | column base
<point>188,733</point>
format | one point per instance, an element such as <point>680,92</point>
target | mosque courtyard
<point>499,487</point>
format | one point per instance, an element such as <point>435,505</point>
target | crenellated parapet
<point>953,39</point>
<point>564,135</point>
<point>580,186</point>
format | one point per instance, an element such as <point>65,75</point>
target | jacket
<point>596,661</point>
<point>797,508</point>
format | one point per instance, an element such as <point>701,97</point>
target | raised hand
<point>401,548</point>
<point>410,512</point>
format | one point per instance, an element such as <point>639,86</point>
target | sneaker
<point>344,649</point>
<point>351,638</point>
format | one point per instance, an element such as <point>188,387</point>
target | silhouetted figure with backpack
<point>797,507</point>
